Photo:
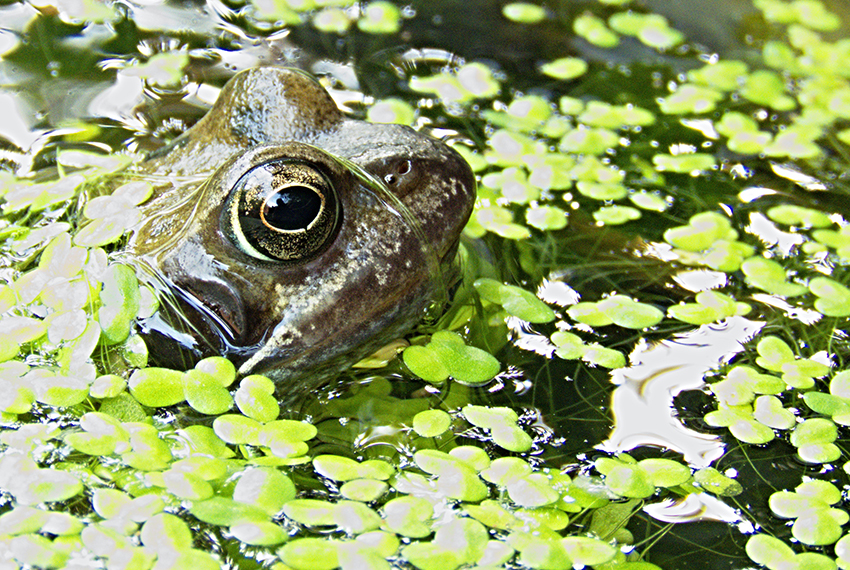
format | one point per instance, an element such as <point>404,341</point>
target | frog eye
<point>282,210</point>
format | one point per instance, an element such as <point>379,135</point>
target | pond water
<point>643,366</point>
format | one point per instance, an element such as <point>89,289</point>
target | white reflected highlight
<point>642,404</point>
<point>693,508</point>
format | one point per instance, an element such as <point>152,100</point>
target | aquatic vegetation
<point>143,466</point>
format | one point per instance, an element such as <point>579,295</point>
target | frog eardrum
<point>282,210</point>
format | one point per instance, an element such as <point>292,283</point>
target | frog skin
<point>299,297</point>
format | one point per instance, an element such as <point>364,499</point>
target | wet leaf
<point>523,12</point>
<point>431,423</point>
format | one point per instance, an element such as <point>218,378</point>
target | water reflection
<point>642,404</point>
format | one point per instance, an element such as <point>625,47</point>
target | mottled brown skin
<point>302,322</point>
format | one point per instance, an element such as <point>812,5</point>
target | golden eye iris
<point>282,210</point>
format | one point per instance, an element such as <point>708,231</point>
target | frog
<point>293,239</point>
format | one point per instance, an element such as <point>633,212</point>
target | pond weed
<point>118,454</point>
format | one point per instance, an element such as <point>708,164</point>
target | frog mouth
<point>215,311</point>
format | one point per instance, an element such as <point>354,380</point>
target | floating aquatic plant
<point>70,347</point>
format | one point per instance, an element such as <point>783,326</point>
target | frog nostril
<point>399,174</point>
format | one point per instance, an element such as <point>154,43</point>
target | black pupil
<point>292,208</point>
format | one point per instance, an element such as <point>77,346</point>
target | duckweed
<point>816,522</point>
<point>74,308</point>
<point>447,355</point>
<point>523,12</point>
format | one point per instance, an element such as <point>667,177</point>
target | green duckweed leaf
<point>665,472</point>
<point>792,215</point>
<point>814,431</point>
<point>651,29</point>
<point>364,490</point>
<point>505,470</point>
<point>710,307</point>
<point>466,537</point>
<point>332,21</point>
<point>625,479</point>
<point>205,393</point>
<point>589,313</point>
<point>259,533</point>
<point>711,480</point>
<point>819,528</point>
<point>312,512</point>
<point>265,488</point>
<point>466,364</point>
<point>774,353</point>
<point>794,142</point>
<point>226,512</point>
<point>833,298</point>
<point>701,232</point>
<point>690,98</point>
<point>336,467</point>
<point>532,491</point>
<point>288,429</point>
<point>764,87</point>
<point>207,468</point>
<point>592,141</point>
<point>524,12</point>
<point>477,79</point>
<point>768,275</point>
<point>157,387</point>
<point>236,429</point>
<point>594,30</point>
<point>515,300</point>
<point>724,75</point>
<point>648,201</point>
<point>255,398</point>
<point>380,18</point>
<point>546,218</point>
<point>163,532</point>
<point>120,297</point>
<point>455,478</point>
<point>741,424</point>
<point>221,369</point>
<point>599,355</point>
<point>37,551</point>
<point>22,520</point>
<point>769,551</point>
<point>492,514</point>
<point>564,68</point>
<point>600,114</point>
<point>310,554</point>
<point>392,111</point>
<point>431,423</point>
<point>425,556</point>
<point>162,69</point>
<point>425,363</point>
<point>602,190</point>
<point>497,220</point>
<point>408,516</point>
<point>628,313</point>
<point>186,485</point>
<point>542,551</point>
<point>588,551</point>
<point>684,163</point>
<point>836,407</point>
<point>768,410</point>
